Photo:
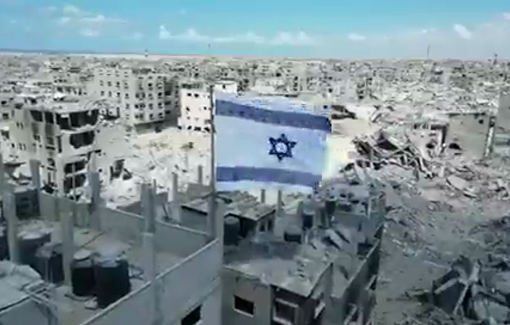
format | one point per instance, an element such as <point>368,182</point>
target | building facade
<point>174,272</point>
<point>64,134</point>
<point>138,95</point>
<point>195,104</point>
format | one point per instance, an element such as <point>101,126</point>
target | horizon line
<point>246,56</point>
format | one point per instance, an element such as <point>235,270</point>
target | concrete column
<point>263,196</point>
<point>35,173</point>
<point>67,233</point>
<point>299,210</point>
<point>9,202</point>
<point>148,258</point>
<point>2,175</point>
<point>96,201</point>
<point>176,204</point>
<point>148,245</point>
<point>213,219</point>
<point>148,210</point>
<point>200,174</point>
<point>220,227</point>
<point>279,204</point>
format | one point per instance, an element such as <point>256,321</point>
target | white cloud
<point>462,31</point>
<point>101,19</point>
<point>506,15</point>
<point>356,37</point>
<point>286,38</point>
<point>73,14</point>
<point>72,11</point>
<point>193,36</point>
<point>476,41</point>
<point>164,33</point>
<point>250,37</point>
<point>86,23</point>
<point>282,38</point>
<point>87,32</point>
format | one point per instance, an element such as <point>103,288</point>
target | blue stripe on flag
<point>266,175</point>
<point>292,119</point>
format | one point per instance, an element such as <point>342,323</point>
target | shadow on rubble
<point>472,291</point>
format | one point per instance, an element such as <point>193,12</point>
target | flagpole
<point>212,218</point>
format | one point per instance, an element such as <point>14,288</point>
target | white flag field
<point>268,142</point>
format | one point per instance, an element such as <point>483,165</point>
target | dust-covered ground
<point>431,224</point>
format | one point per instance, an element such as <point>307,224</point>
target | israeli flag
<point>268,142</point>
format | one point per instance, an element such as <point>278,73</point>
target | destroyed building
<point>501,142</point>
<point>140,96</point>
<point>195,103</point>
<point>63,133</point>
<point>84,263</point>
<point>469,133</point>
<point>316,266</point>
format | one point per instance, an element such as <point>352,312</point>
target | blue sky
<point>320,28</point>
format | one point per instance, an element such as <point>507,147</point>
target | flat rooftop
<point>94,241</point>
<point>239,204</point>
<point>67,105</point>
<point>293,267</point>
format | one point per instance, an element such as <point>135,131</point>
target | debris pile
<point>477,291</point>
<point>384,148</point>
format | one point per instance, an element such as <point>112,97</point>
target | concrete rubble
<point>472,291</point>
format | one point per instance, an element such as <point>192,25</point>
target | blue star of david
<point>281,147</point>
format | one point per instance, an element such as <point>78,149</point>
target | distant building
<point>70,83</point>
<point>139,96</point>
<point>195,103</point>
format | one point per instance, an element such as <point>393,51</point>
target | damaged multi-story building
<point>470,133</point>
<point>140,96</point>
<point>74,263</point>
<point>195,103</point>
<point>315,264</point>
<point>65,134</point>
<point>501,142</point>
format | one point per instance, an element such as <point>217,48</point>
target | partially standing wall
<point>468,133</point>
<point>501,142</point>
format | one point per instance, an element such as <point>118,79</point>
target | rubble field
<point>445,247</point>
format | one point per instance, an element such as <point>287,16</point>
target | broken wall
<point>193,282</point>
<point>501,142</point>
<point>469,132</point>
<point>356,302</point>
<point>250,289</point>
<point>126,226</point>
